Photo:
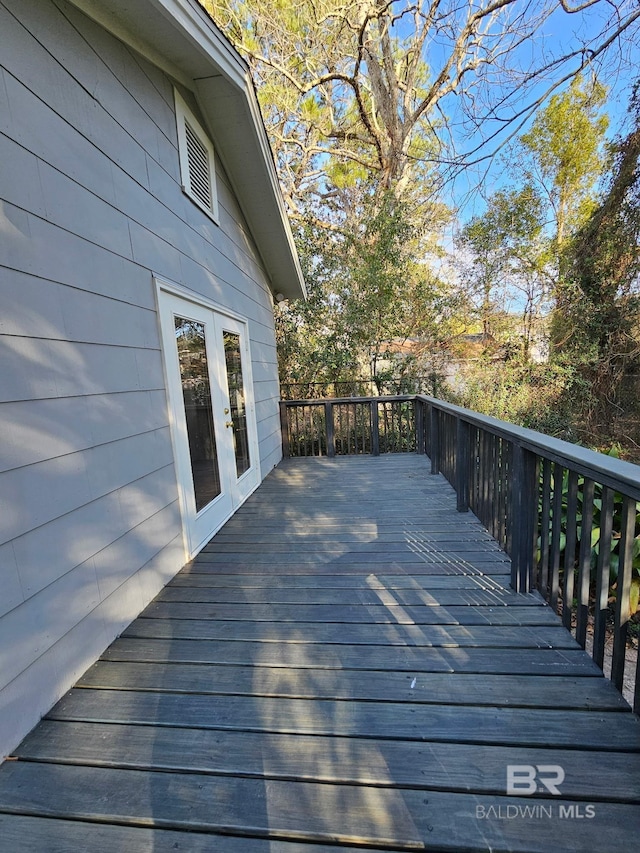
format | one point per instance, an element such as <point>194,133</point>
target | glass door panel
<point>235,384</point>
<point>196,392</point>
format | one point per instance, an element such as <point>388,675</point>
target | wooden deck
<point>344,664</point>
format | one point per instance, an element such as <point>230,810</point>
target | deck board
<point>520,613</point>
<point>416,687</point>
<point>606,730</point>
<point>343,665</point>
<point>398,818</point>
<point>350,597</point>
<point>341,656</point>
<point>442,766</point>
<point>350,633</point>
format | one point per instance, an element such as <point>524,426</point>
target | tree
<point>515,246</point>
<point>564,148</point>
<point>507,260</point>
<point>368,296</point>
<point>601,306</point>
<point>389,92</point>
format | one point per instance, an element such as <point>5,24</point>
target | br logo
<point>527,779</point>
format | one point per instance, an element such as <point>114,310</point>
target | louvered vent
<point>199,173</point>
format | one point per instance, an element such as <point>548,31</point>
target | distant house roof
<point>180,37</point>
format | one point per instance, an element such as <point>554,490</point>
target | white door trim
<point>163,285</point>
<point>199,527</point>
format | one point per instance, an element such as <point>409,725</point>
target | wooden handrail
<point>604,469</point>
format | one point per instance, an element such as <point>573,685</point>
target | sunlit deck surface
<point>344,664</point>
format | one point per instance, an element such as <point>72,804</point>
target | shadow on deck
<point>344,664</point>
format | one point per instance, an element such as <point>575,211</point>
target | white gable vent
<point>196,160</point>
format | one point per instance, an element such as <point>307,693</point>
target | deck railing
<point>348,425</point>
<point>567,516</point>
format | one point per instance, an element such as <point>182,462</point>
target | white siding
<point>90,209</point>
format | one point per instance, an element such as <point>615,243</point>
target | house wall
<point>90,208</point>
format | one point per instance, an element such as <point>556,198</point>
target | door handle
<point>226,411</point>
<point>229,424</point>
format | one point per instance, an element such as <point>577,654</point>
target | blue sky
<point>561,33</point>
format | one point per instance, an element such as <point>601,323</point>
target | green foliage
<point>596,322</point>
<point>395,87</point>
<point>362,102</point>
<point>565,145</point>
<point>508,255</point>
<point>585,263</point>
<point>367,296</point>
<point>530,395</point>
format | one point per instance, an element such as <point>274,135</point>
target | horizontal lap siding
<point>90,209</point>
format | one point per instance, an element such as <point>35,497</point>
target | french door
<point>213,418</point>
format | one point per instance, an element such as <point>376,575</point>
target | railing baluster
<point>366,428</point>
<point>298,438</point>
<point>426,420</point>
<point>473,467</point>
<point>516,481</point>
<point>375,429</point>
<point>419,426</point>
<point>353,414</point>
<point>284,429</point>
<point>435,440</point>
<point>462,466</point>
<point>623,590</point>
<point>533,463</point>
<point>636,690</point>
<point>486,475</point>
<point>495,486</point>
<point>393,447</point>
<point>353,429</point>
<point>508,497</point>
<point>601,608</point>
<point>584,565</point>
<point>330,428</point>
<point>545,520</point>
<point>570,550</point>
<point>523,486</point>
<point>556,531</point>
<point>489,472</point>
<point>305,421</point>
<point>502,499</point>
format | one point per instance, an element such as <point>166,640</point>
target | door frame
<point>241,487</point>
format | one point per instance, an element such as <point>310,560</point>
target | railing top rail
<point>607,470</point>
<point>320,401</point>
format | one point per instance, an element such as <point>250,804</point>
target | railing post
<point>419,422</point>
<point>435,440</point>
<point>462,465</point>
<point>330,427</point>
<point>284,429</point>
<point>524,494</point>
<point>375,428</point>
